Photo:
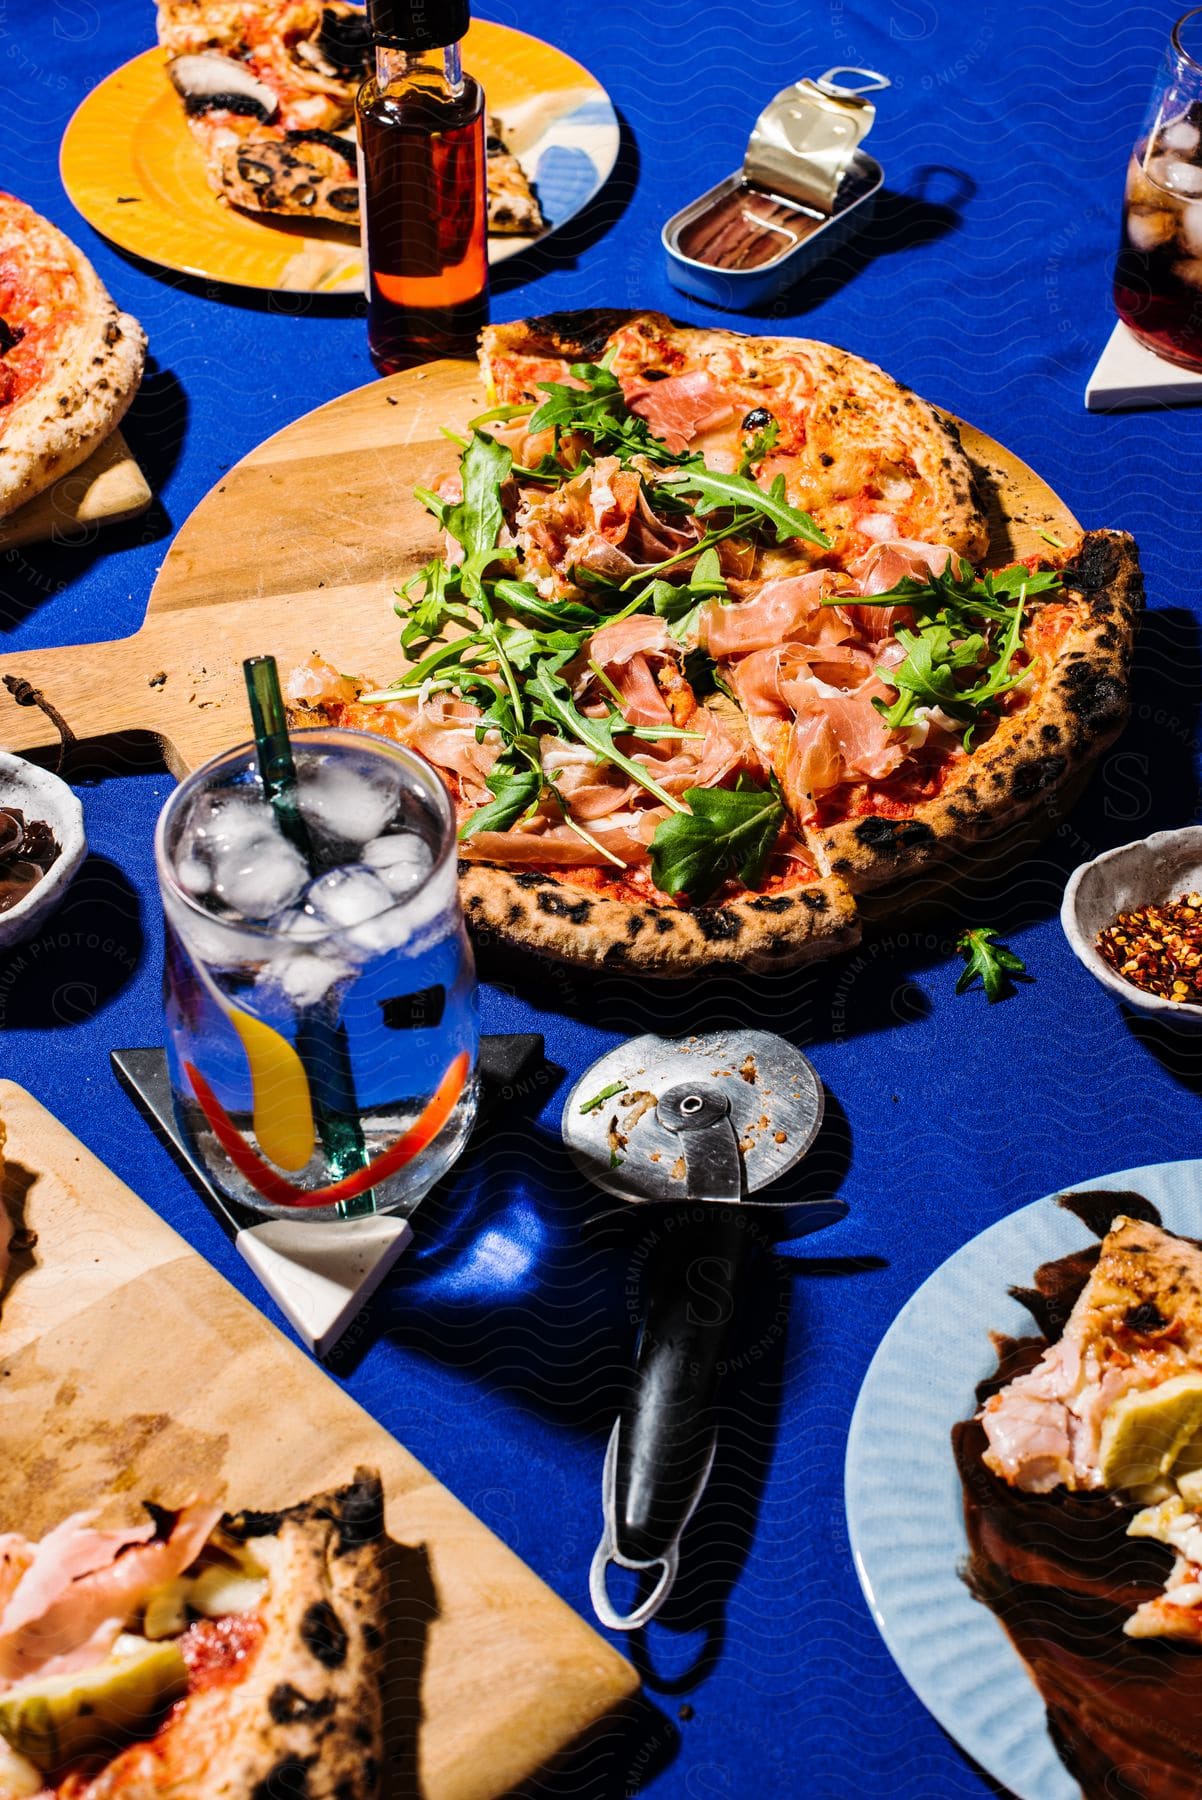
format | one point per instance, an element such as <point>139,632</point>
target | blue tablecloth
<point>497,1353</point>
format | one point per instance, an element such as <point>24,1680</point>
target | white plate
<point>904,1508</point>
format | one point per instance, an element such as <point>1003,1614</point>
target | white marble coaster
<point>321,1277</point>
<point>1127,374</point>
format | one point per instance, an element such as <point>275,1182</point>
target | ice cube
<point>1176,175</point>
<point>224,821</point>
<point>194,875</point>
<point>214,942</point>
<point>1141,191</point>
<point>347,896</point>
<point>1189,229</point>
<point>343,805</point>
<point>1149,229</point>
<point>1181,136</point>
<point>1189,270</point>
<point>260,878</point>
<point>403,860</point>
<point>300,925</point>
<point>305,977</point>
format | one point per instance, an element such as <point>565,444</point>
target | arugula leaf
<point>578,407</point>
<point>476,520</point>
<point>606,1093</point>
<point>958,591</point>
<point>440,600</point>
<point>717,490</point>
<point>522,647</point>
<point>681,605</point>
<point>729,831</point>
<point>517,791</point>
<point>500,413</point>
<point>702,674</point>
<point>435,662</point>
<point>958,615</point>
<point>927,677</point>
<point>523,597</point>
<point>999,679</point>
<point>993,962</point>
<point>597,409</point>
<point>555,705</point>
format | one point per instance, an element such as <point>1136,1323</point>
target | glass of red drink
<point>1158,276</point>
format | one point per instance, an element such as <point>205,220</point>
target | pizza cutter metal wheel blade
<point>689,1129</point>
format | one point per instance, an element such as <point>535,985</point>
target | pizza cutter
<point>690,1129</point>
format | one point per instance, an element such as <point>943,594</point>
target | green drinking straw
<point>321,1040</point>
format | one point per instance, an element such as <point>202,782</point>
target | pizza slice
<point>1115,1404</point>
<point>70,360</point>
<point>307,56</point>
<point>513,208</point>
<point>269,87</point>
<point>310,174</point>
<point>909,707</point>
<point>197,1653</point>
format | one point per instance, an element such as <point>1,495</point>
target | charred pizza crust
<point>91,357</point>
<point>1035,753</point>
<point>860,423</point>
<point>306,1720</point>
<point>538,911</point>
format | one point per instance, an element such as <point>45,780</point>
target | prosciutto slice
<point>680,407</point>
<point>879,570</point>
<point>779,610</point>
<point>80,1585</point>
<point>601,521</point>
<point>590,789</point>
<point>642,633</point>
<point>539,844</point>
<point>444,731</point>
<point>810,763</point>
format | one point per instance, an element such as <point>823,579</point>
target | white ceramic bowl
<point>41,795</point>
<point>1148,872</point>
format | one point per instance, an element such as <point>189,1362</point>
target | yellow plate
<point>131,166</point>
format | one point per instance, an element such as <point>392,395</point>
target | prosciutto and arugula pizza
<point>229,1656</point>
<point>709,648</point>
<point>70,360</point>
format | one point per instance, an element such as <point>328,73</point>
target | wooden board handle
<point>101,690</point>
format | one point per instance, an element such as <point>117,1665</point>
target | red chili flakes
<point>1159,948</point>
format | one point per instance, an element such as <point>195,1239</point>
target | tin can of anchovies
<point>804,189</point>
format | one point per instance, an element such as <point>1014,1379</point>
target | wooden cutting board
<point>302,546</point>
<point>128,1366</point>
<point>105,489</point>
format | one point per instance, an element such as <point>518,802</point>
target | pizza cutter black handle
<point>666,1431</point>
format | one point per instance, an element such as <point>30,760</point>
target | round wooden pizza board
<point>301,547</point>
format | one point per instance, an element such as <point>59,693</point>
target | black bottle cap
<point>418,24</point>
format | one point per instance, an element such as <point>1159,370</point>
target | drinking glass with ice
<point>1158,275</point>
<point>322,1028</point>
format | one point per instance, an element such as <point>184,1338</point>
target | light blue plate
<point>904,1510</point>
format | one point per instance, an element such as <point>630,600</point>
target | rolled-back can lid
<point>418,24</point>
<point>804,140</point>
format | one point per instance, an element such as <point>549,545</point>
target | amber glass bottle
<point>422,171</point>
